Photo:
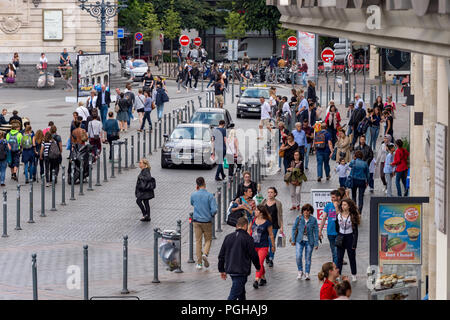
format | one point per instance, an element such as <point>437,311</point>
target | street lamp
<point>103,11</point>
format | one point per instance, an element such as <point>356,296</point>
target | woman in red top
<point>328,275</point>
<point>333,121</point>
<point>401,164</point>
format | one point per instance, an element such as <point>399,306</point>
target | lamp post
<point>103,11</point>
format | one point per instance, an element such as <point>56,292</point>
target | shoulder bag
<point>339,242</point>
<point>349,180</point>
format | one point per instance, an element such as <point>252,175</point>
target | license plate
<point>185,157</point>
<point>253,109</point>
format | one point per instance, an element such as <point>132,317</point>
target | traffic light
<point>342,49</point>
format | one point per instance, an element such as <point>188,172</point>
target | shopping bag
<point>225,163</point>
<point>281,240</point>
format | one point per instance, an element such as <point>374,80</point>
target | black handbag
<point>342,154</point>
<point>333,156</point>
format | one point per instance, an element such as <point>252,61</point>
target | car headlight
<point>241,105</point>
<point>167,149</point>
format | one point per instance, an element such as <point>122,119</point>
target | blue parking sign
<point>120,33</point>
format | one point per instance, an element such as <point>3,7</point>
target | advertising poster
<point>306,50</point>
<point>93,73</point>
<point>320,198</point>
<point>400,233</point>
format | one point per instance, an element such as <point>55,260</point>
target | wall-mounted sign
<point>52,25</point>
<point>440,177</point>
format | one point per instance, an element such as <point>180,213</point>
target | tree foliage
<point>257,15</point>
<point>172,23</point>
<point>235,26</point>
<point>131,16</point>
<point>284,34</point>
<point>149,24</point>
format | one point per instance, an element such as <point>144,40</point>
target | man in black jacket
<point>103,102</point>
<point>236,257</point>
<point>365,149</point>
<point>357,116</point>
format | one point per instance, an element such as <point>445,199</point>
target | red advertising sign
<point>184,40</point>
<point>350,61</point>
<point>328,55</point>
<point>198,41</point>
<point>292,41</point>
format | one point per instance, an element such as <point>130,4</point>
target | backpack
<point>54,152</point>
<point>3,151</point>
<point>13,142</point>
<point>27,141</point>
<point>320,140</point>
<point>363,126</point>
<point>165,97</point>
<point>232,217</point>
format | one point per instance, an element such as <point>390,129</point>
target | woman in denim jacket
<point>360,175</point>
<point>305,235</point>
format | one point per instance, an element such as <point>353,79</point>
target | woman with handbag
<point>347,222</point>
<point>287,150</point>
<point>294,178</point>
<point>111,129</point>
<point>343,145</point>
<point>275,209</point>
<point>233,155</point>
<point>305,235</point>
<point>261,230</point>
<point>144,191</point>
<point>359,178</point>
<point>122,112</point>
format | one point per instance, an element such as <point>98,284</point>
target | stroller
<point>79,153</point>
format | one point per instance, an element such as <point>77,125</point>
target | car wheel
<point>238,115</point>
<point>164,164</point>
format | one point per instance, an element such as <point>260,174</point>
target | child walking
<point>343,171</point>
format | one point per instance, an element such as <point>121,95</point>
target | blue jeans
<point>323,159</point>
<point>308,149</point>
<point>104,112</point>
<point>372,136</point>
<point>3,165</point>
<point>286,164</point>
<point>130,115</point>
<point>160,109</point>
<point>361,186</point>
<point>210,82</point>
<point>272,254</point>
<point>371,181</point>
<point>332,240</point>
<point>342,181</point>
<point>29,169</point>
<point>304,74</point>
<point>299,255</point>
<point>237,291</point>
<point>401,176</point>
<point>146,117</point>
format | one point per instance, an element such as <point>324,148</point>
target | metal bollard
<point>105,167</point>
<point>213,228</point>
<point>125,266</point>
<point>5,214</point>
<point>132,166</point>
<point>31,204</point>
<point>97,183</point>
<point>224,191</point>
<point>174,122</point>
<point>138,146</point>
<point>155,256</point>
<point>191,238</point>
<point>165,123</point>
<point>219,209</point>
<point>18,209</point>
<point>86,272</point>
<point>170,123</point>
<point>150,142</point>
<point>72,182</point>
<point>155,148</point>
<point>120,157</point>
<point>188,110</point>
<point>238,174</point>
<point>63,184</point>
<point>53,191</point>
<point>34,276</point>
<point>43,196</point>
<point>112,159</point>
<point>144,144</point>
<point>81,193</point>
<point>229,188</point>
<point>160,134</point>
<point>178,270</point>
<point>126,153</point>
<point>90,174</point>
<point>200,101</point>
<point>233,184</point>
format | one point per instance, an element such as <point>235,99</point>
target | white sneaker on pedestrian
<point>205,260</point>
<point>307,276</point>
<point>196,89</point>
<point>354,278</point>
<point>300,275</point>
<point>199,266</point>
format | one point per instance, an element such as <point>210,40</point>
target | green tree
<point>149,24</point>
<point>235,26</point>
<point>131,16</point>
<point>171,26</point>
<point>284,34</point>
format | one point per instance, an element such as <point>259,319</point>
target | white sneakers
<point>300,275</point>
<point>354,278</point>
<point>199,266</point>
<point>307,276</point>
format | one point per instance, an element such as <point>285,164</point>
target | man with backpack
<point>358,115</point>
<point>28,153</point>
<point>323,147</point>
<point>14,138</point>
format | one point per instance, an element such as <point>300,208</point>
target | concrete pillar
<point>374,63</point>
<point>443,240</point>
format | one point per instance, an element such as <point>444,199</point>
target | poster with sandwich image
<point>399,236</point>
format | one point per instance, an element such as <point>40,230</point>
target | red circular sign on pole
<point>139,36</point>
<point>350,61</point>
<point>184,40</point>
<point>328,55</point>
<point>198,41</point>
<point>292,42</point>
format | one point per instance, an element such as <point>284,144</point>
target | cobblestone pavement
<point>109,212</point>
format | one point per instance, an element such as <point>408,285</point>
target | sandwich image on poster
<point>399,233</point>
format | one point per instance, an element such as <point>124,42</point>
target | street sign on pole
<point>328,55</point>
<point>198,41</point>
<point>139,36</point>
<point>232,50</point>
<point>292,42</point>
<point>139,42</point>
<point>350,62</point>
<point>328,66</point>
<point>109,33</point>
<point>120,33</point>
<point>161,38</point>
<point>184,40</point>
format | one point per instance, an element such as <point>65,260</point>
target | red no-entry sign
<point>328,55</point>
<point>198,41</point>
<point>184,40</point>
<point>292,42</point>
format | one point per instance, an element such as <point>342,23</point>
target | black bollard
<point>126,153</point>
<point>160,134</point>
<point>125,266</point>
<point>138,146</point>
<point>144,144</point>
<point>178,270</point>
<point>150,142</point>
<point>5,214</point>
<point>165,123</point>
<point>155,256</point>
<point>225,207</point>
<point>238,175</point>
<point>97,183</point>
<point>105,167</point>
<point>119,144</point>
<point>191,238</point>
<point>18,209</point>
<point>174,122</point>
<point>72,182</point>
<point>81,193</point>
<point>219,209</point>
<point>155,148</point>
<point>34,276</point>
<point>63,184</point>
<point>200,101</point>
<point>86,272</point>
<point>90,174</point>
<point>132,166</point>
<point>213,228</point>
<point>112,158</point>
<point>43,196</point>
<point>170,123</point>
<point>31,204</point>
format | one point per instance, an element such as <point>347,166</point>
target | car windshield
<point>211,118</point>
<point>139,64</point>
<point>191,133</point>
<point>255,93</point>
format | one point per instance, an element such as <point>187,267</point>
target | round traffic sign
<point>328,55</point>
<point>184,40</point>
<point>350,61</point>
<point>292,41</point>
<point>139,36</point>
<point>198,41</point>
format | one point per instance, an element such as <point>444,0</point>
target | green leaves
<point>235,26</point>
<point>149,24</point>
<point>283,34</point>
<point>172,23</point>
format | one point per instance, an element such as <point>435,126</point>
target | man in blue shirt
<point>329,215</point>
<point>205,208</point>
<point>303,106</point>
<point>300,138</point>
<point>323,146</point>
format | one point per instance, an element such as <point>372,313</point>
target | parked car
<point>140,69</point>
<point>189,144</point>
<point>249,103</point>
<point>212,116</point>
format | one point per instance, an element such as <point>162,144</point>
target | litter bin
<point>170,249</point>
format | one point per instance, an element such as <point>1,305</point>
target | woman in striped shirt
<point>50,164</point>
